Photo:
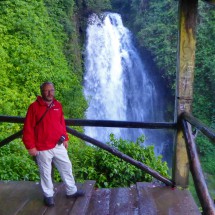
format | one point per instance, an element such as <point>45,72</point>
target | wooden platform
<point>25,198</point>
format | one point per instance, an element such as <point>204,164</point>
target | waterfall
<point>116,83</point>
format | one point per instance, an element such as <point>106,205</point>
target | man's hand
<point>65,143</point>
<point>32,152</point>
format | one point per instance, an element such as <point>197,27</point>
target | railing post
<point>196,170</point>
<point>185,77</point>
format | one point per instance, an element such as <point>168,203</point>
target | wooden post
<point>185,77</point>
<point>197,173</point>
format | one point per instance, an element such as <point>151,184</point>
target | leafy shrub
<point>89,163</point>
<point>206,151</point>
<point>16,164</point>
<point>93,163</point>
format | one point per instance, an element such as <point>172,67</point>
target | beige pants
<point>60,158</point>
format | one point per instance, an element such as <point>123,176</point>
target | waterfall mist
<point>117,85</point>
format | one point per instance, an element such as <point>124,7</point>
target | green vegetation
<point>89,163</point>
<point>110,171</point>
<point>16,164</point>
<point>32,50</point>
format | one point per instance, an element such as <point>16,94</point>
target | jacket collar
<point>41,101</point>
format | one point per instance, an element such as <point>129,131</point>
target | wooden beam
<point>11,138</point>
<point>12,119</point>
<point>120,124</point>
<point>208,132</point>
<point>101,123</point>
<point>185,77</point>
<point>197,173</point>
<point>119,154</point>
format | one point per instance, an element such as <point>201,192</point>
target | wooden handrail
<point>98,143</point>
<point>119,154</point>
<point>120,124</point>
<point>208,132</point>
<point>195,166</point>
<point>10,138</point>
<point>101,123</point>
<point>12,119</point>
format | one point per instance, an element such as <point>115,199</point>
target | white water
<point>116,83</point>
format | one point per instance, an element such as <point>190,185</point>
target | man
<point>45,137</point>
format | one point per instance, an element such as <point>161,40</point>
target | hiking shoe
<point>49,201</point>
<point>75,195</point>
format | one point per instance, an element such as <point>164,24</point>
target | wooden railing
<point>124,157</point>
<point>102,123</point>
<point>184,122</point>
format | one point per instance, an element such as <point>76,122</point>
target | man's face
<point>48,92</point>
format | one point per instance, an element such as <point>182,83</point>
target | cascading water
<point>116,83</point>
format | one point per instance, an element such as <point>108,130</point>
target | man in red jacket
<point>45,137</point>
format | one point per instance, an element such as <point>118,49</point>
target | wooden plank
<point>62,204</point>
<point>18,195</point>
<point>146,203</point>
<point>5,192</point>
<point>34,199</point>
<point>25,198</point>
<point>82,203</point>
<point>123,201</point>
<point>35,205</point>
<point>174,201</point>
<point>99,203</point>
<point>164,200</point>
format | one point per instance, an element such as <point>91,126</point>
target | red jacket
<point>47,132</point>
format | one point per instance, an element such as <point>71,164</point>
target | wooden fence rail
<point>119,154</point>
<point>101,123</point>
<point>208,132</point>
<point>195,166</point>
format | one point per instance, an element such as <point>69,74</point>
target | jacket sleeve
<point>64,124</point>
<point>29,128</point>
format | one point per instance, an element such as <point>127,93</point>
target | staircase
<point>25,198</point>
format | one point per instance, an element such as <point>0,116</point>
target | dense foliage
<point>32,44</point>
<point>111,171</point>
<point>89,163</point>
<point>204,86</point>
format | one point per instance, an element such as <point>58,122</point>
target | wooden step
<point>163,200</point>
<point>118,201</point>
<point>82,203</point>
<point>25,198</point>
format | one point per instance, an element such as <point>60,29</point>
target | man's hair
<point>44,84</point>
